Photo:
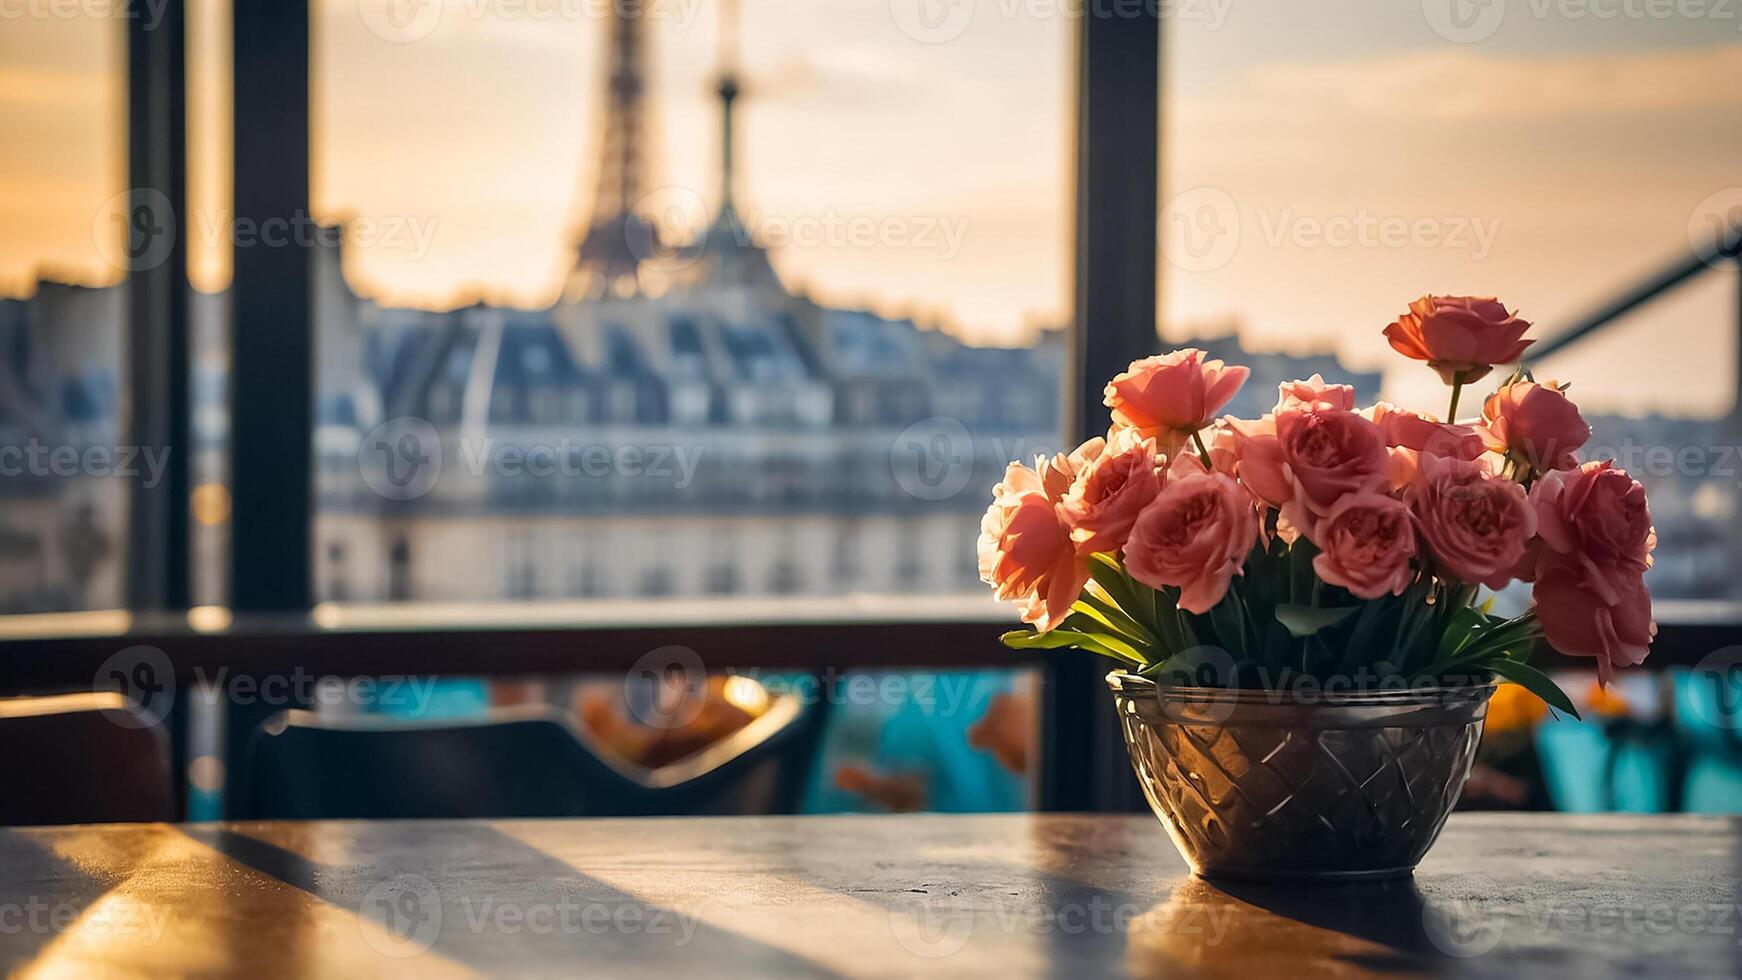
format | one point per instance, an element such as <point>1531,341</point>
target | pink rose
<point>1329,455</point>
<point>1058,473</point>
<point>1314,395</point>
<point>1404,429</point>
<point>1258,460</point>
<point>1194,535</point>
<point>1476,524</point>
<point>1172,395</point>
<point>1105,499</point>
<point>1026,553</point>
<point>1594,546</point>
<point>1604,613</point>
<point>1536,423</point>
<point>1366,543</point>
<point>1459,335</point>
<point>1596,514</point>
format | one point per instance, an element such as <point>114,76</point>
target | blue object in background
<point>919,736</point>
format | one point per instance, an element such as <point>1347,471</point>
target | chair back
<point>511,762</point>
<point>82,758</point>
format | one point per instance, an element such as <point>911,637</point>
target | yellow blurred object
<point>1605,702</point>
<point>1514,709</point>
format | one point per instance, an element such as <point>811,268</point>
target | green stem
<point>1457,389</point>
<point>1203,452</point>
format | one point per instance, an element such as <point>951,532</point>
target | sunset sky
<point>1551,162</point>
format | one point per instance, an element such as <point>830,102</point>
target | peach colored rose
<point>1536,423</point>
<point>1258,460</point>
<point>1366,543</point>
<point>1172,395</point>
<point>1105,499</point>
<point>1026,553</point>
<point>1595,514</point>
<point>1475,524</point>
<point>1461,337</point>
<point>1404,429</point>
<point>1329,455</point>
<point>1313,394</point>
<point>1194,535</point>
<point>1062,470</point>
<point>1589,611</point>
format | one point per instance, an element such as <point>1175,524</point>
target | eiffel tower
<point>608,261</point>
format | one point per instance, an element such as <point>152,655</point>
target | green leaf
<point>1308,620</point>
<point>1301,577</point>
<point>1536,682</point>
<point>1106,646</point>
<point>1111,580</point>
<point>1358,648</point>
<point>1108,617</point>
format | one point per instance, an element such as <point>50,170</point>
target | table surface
<point>1006,896</point>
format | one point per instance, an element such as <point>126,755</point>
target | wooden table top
<point>1005,896</point>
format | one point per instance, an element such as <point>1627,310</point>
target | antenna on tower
<point>729,90</point>
<point>608,262</point>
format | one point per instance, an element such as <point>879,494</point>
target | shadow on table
<point>1249,929</point>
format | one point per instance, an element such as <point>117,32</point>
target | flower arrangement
<point>1324,542</point>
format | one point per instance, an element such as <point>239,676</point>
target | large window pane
<point>1326,166</point>
<point>65,246</point>
<point>557,363</point>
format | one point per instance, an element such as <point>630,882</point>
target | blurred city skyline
<point>1505,159</point>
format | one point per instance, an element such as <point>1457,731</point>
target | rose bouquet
<point>1326,542</point>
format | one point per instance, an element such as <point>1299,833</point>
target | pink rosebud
<point>1170,396</point>
<point>1026,553</point>
<point>1194,535</point>
<point>1476,524</point>
<point>1593,611</point>
<point>1459,335</point>
<point>1258,460</point>
<point>1366,543</point>
<point>1536,423</point>
<point>1404,429</point>
<point>1107,496</point>
<point>1314,395</point>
